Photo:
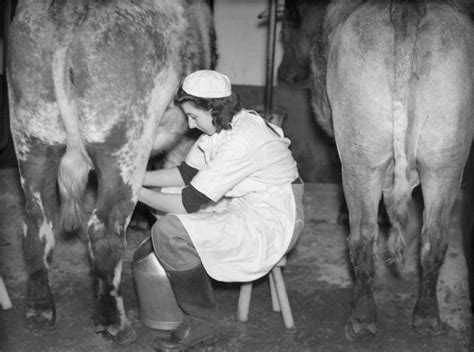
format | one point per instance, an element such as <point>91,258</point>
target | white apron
<point>248,229</point>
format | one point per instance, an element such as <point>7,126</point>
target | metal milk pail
<point>158,307</point>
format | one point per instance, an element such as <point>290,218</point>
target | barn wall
<point>242,40</point>
<point>242,45</point>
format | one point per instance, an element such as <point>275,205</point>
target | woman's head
<point>208,93</point>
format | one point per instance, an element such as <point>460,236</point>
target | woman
<point>237,214</point>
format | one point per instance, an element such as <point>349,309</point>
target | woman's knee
<point>172,244</point>
<point>164,233</point>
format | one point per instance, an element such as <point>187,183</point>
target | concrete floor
<point>317,278</point>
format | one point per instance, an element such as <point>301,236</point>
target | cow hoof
<point>40,318</point>
<point>123,337</point>
<point>126,336</point>
<point>427,325</point>
<point>426,318</point>
<point>357,330</point>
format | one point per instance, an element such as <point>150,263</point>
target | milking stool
<point>278,294</point>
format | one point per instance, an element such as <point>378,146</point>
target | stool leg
<point>4,298</point>
<point>243,305</point>
<point>273,293</point>
<point>283,298</point>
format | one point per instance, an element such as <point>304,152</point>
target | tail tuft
<point>397,204</point>
<point>72,179</point>
<point>396,248</point>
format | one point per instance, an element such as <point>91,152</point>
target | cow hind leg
<point>439,194</point>
<point>38,171</point>
<point>363,194</point>
<point>110,316</point>
<point>106,231</point>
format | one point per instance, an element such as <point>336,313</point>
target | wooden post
<point>268,98</point>
<point>243,305</point>
<point>283,298</point>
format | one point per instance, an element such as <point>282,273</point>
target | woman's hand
<point>164,202</point>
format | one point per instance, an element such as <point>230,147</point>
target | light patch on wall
<point>242,41</point>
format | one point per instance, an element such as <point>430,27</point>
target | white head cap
<point>207,84</point>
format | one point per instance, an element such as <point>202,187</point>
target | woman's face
<point>198,118</point>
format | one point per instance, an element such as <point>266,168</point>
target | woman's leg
<point>191,286</point>
<point>172,244</point>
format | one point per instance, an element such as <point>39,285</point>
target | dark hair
<point>222,109</point>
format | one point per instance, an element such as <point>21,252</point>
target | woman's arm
<point>163,178</point>
<point>165,202</point>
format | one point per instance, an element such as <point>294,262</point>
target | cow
<point>91,84</point>
<point>392,82</point>
<point>302,23</point>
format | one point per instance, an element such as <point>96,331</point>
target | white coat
<point>247,172</point>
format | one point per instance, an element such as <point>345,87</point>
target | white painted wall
<point>242,40</point>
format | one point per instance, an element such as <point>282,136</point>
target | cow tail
<point>75,164</point>
<point>200,49</point>
<point>405,17</point>
<point>205,25</point>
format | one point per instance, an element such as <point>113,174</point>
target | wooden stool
<point>4,298</point>
<point>278,294</point>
